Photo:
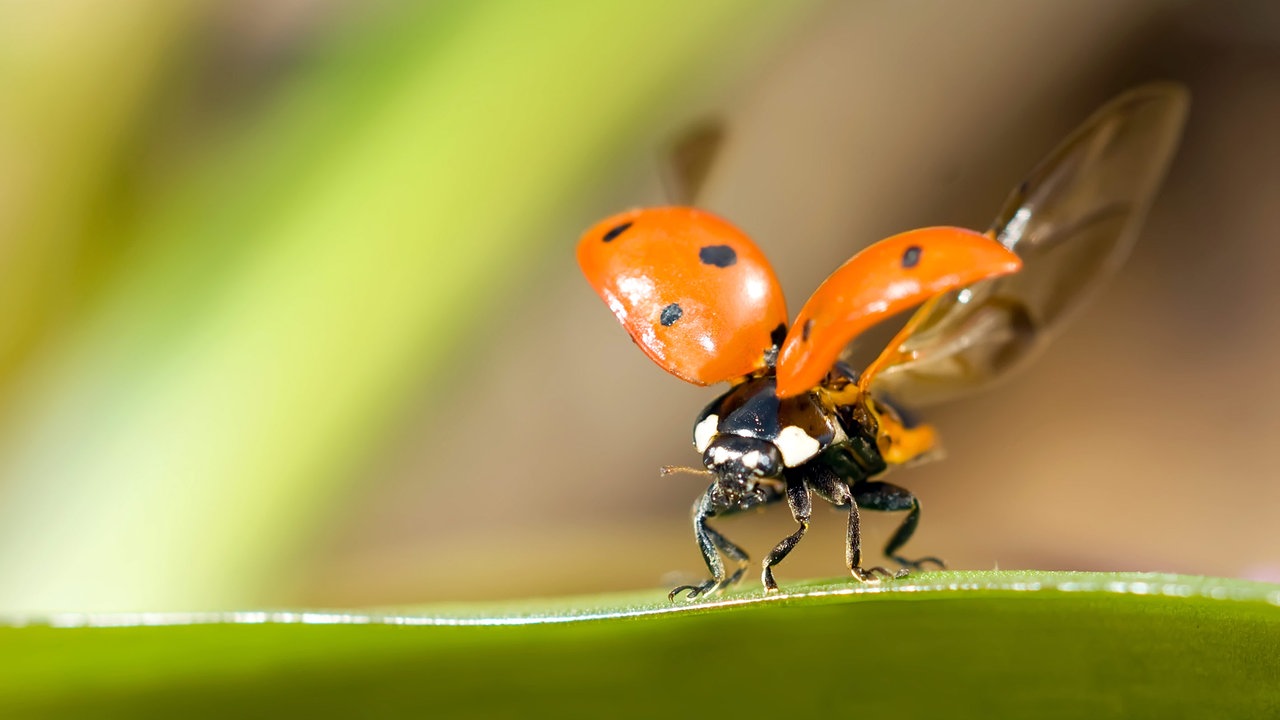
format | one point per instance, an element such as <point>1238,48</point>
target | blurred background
<point>289,313</point>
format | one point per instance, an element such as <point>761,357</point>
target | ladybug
<point>701,300</point>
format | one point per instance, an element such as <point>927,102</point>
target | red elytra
<point>694,292</point>
<point>889,277</point>
<point>700,298</point>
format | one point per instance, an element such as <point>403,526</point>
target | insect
<point>700,299</point>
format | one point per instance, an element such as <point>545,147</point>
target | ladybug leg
<point>735,553</point>
<point>891,498</point>
<point>833,488</point>
<point>706,537</point>
<point>801,509</point>
<point>712,543</point>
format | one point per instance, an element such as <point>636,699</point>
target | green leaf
<point>954,644</point>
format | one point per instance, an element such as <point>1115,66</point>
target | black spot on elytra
<point>670,314</point>
<point>718,255</point>
<point>616,231</point>
<point>911,256</point>
<point>779,334</point>
<point>806,329</point>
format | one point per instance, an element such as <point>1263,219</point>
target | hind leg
<point>886,497</point>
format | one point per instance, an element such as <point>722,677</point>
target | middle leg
<point>831,485</point>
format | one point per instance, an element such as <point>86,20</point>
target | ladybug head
<point>739,463</point>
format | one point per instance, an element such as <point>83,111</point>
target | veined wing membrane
<point>1072,222</point>
<point>689,160</point>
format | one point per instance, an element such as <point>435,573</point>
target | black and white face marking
<point>797,428</point>
<point>733,457</point>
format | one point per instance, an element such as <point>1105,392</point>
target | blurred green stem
<point>284,301</point>
<point>74,79</point>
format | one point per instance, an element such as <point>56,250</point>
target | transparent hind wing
<point>1072,222</point>
<point>689,160</point>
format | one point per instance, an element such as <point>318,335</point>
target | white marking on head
<point>720,455</point>
<point>704,431</point>
<point>796,446</point>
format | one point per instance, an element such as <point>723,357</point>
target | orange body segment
<point>693,291</point>
<point>884,279</point>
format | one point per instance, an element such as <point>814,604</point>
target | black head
<point>739,463</point>
<point>744,458</point>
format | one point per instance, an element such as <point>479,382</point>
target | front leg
<point>714,502</point>
<point>801,509</point>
